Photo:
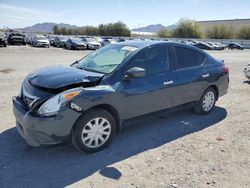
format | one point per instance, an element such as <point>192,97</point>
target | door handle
<point>168,82</point>
<point>205,75</point>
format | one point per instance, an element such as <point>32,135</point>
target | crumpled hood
<point>58,76</point>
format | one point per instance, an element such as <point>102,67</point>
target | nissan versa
<point>89,101</point>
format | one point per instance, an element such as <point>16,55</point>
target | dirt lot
<point>176,150</point>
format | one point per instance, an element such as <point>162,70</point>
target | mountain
<point>153,28</point>
<point>45,27</point>
<point>48,28</point>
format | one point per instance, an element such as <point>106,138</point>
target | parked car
<point>203,46</point>
<point>16,38</point>
<point>237,46</point>
<point>223,46</point>
<point>246,71</point>
<point>119,39</point>
<point>29,37</point>
<point>41,41</point>
<point>60,41</point>
<point>3,40</point>
<point>91,43</point>
<point>215,46</point>
<point>51,39</point>
<point>89,101</point>
<point>75,44</point>
<point>107,41</point>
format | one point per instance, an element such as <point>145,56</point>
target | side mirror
<point>135,72</point>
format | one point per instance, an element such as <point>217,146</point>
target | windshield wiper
<point>91,70</point>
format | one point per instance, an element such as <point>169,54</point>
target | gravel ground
<point>180,149</point>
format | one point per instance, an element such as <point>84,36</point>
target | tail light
<point>225,69</point>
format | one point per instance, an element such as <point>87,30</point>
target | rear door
<point>191,74</point>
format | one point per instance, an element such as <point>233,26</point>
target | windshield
<point>76,40</point>
<point>41,38</point>
<point>106,59</point>
<point>90,40</point>
<point>62,38</point>
<point>17,34</point>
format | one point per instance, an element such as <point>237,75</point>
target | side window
<point>153,60</point>
<point>188,57</point>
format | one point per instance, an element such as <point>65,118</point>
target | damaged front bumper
<point>39,130</point>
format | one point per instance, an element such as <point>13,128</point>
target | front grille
<point>27,99</point>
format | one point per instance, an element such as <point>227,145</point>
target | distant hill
<point>153,28</point>
<point>48,28</point>
<point>44,27</point>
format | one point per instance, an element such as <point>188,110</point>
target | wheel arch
<point>111,110</point>
<point>215,87</point>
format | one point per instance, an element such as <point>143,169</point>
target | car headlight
<point>52,105</point>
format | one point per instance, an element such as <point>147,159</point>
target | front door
<point>151,93</point>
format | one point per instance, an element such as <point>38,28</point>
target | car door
<point>147,94</point>
<point>191,74</point>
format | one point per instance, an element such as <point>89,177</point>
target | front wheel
<point>206,102</point>
<point>93,131</point>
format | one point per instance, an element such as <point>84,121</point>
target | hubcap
<point>96,132</point>
<point>208,101</point>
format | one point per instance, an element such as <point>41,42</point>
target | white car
<point>92,44</point>
<point>40,41</point>
<point>247,71</point>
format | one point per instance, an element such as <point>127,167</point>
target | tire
<point>206,102</point>
<point>81,134</point>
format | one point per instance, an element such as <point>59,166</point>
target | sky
<point>134,13</point>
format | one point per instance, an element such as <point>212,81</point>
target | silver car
<point>40,41</point>
<point>246,70</point>
<point>92,44</point>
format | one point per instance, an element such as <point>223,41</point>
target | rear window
<point>188,58</point>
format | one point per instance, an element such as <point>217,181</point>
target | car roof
<point>143,44</point>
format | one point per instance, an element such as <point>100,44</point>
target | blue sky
<point>135,13</point>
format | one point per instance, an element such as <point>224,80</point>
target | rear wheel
<point>93,131</point>
<point>206,102</point>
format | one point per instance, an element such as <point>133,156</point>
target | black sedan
<point>75,44</point>
<point>237,46</point>
<point>88,102</point>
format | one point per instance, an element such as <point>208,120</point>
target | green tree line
<point>111,29</point>
<point>191,29</point>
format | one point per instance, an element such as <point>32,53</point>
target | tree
<point>55,29</point>
<point>63,31</point>
<point>187,29</point>
<point>111,29</point>
<point>220,32</point>
<point>244,33</point>
<point>164,33</point>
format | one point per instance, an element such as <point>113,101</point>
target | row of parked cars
<point>70,42</point>
<point>213,45</point>
<point>92,43</point>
